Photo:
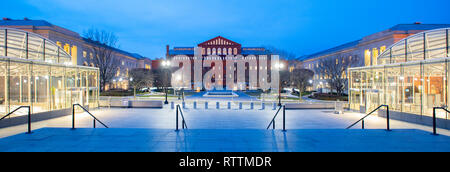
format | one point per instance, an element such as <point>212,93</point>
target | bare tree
<point>285,78</point>
<point>162,77</point>
<point>103,45</point>
<point>300,80</point>
<point>141,78</point>
<point>334,69</point>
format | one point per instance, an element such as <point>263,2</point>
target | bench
<point>310,106</point>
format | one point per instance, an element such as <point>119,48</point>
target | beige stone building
<point>79,48</point>
<point>365,50</point>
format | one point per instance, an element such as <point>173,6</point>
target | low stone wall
<point>125,103</point>
<point>414,118</point>
<point>119,103</point>
<point>19,120</point>
<point>310,106</point>
<point>145,104</point>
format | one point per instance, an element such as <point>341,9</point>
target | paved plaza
<point>221,131</point>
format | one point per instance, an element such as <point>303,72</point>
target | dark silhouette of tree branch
<point>103,45</point>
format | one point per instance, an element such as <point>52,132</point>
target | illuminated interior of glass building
<point>38,73</point>
<point>411,77</point>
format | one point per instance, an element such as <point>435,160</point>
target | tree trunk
<point>300,95</point>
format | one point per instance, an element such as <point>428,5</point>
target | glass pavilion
<point>411,77</point>
<point>35,72</point>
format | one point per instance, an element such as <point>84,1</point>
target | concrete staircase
<point>225,140</point>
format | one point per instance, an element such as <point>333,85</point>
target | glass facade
<point>36,72</point>
<point>411,78</point>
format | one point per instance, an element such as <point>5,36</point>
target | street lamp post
<point>279,94</point>
<point>279,66</point>
<point>165,65</point>
<point>165,90</point>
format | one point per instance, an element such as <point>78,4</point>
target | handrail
<point>272,122</point>
<point>184,125</point>
<point>434,117</point>
<point>362,119</point>
<point>73,116</point>
<point>182,116</point>
<point>29,116</point>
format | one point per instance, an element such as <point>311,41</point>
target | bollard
<point>263,106</point>
<point>274,106</point>
<point>184,105</point>
<point>217,105</point>
<point>172,105</point>
<point>206,105</point>
<point>195,105</point>
<point>251,105</point>
<point>229,105</point>
<point>240,105</point>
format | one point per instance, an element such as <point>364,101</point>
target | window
<point>367,58</point>
<point>375,56</point>
<point>235,51</point>
<point>230,52</point>
<point>214,51</point>
<point>91,55</point>
<point>224,51</point>
<point>382,49</point>
<point>123,63</point>
<point>67,48</point>
<point>84,54</point>
<point>209,51</point>
<point>219,51</point>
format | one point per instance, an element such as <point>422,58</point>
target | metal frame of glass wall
<point>36,72</point>
<point>412,77</point>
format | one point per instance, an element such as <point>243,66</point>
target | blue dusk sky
<point>298,26</point>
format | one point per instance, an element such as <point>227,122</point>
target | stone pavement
<point>221,130</point>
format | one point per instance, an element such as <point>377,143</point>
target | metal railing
<point>73,116</point>
<point>29,116</point>
<point>272,122</point>
<point>434,118</point>
<point>362,119</point>
<point>184,126</point>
